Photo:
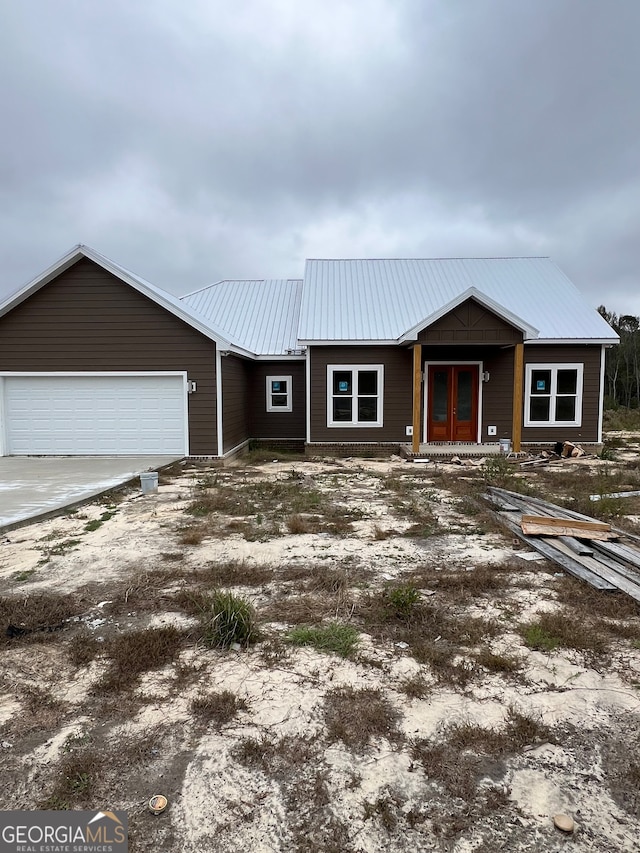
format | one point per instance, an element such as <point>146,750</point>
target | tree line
<point>622,362</point>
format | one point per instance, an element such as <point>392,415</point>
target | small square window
<point>279,397</point>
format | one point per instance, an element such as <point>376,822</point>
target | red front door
<point>452,403</point>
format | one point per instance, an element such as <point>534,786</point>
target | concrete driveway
<point>33,487</point>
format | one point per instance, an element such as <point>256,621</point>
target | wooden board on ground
<point>541,525</point>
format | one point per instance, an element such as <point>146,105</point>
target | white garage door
<point>94,415</point>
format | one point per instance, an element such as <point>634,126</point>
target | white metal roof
<point>390,300</point>
<point>261,314</point>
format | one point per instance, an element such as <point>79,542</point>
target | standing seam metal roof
<point>378,299</point>
<point>261,314</point>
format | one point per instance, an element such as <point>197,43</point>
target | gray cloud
<point>196,141</point>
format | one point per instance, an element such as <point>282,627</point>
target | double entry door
<point>452,402</point>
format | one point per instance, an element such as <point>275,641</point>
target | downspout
<point>307,370</point>
<point>601,394</point>
<point>518,390</point>
<point>219,401</point>
<point>417,379</point>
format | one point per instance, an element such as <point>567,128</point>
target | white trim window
<point>354,395</point>
<point>279,397</point>
<point>553,395</point>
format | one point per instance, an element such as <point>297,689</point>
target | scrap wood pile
<point>581,545</point>
<point>561,451</point>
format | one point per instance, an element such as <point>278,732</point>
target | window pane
<point>368,382</point>
<point>567,381</point>
<point>342,382</point>
<point>278,399</point>
<point>566,409</point>
<point>541,383</point>
<point>367,409</point>
<point>342,408</point>
<point>539,409</point>
<point>279,386</point>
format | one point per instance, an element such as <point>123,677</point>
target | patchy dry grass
<point>35,618</point>
<point>562,628</point>
<point>131,654</point>
<point>356,716</point>
<point>218,708</point>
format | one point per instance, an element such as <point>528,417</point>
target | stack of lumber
<point>581,545</point>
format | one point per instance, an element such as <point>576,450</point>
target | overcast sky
<point>193,140</point>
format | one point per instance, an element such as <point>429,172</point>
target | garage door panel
<point>95,415</point>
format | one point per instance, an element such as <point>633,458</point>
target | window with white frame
<point>354,395</point>
<point>279,394</point>
<point>553,395</point>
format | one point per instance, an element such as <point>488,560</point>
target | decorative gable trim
<point>528,331</point>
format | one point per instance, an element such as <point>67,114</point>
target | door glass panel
<point>465,396</point>
<point>440,395</point>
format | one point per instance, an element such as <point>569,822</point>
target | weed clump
<point>402,600</point>
<point>228,619</point>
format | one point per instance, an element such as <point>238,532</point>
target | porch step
<point>447,450</point>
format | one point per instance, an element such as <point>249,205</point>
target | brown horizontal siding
<point>88,320</point>
<point>235,402</point>
<point>590,357</point>
<point>264,424</point>
<point>470,323</point>
<point>397,409</point>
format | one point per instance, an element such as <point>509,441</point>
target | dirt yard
<point>324,655</point>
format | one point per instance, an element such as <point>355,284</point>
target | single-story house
<point>358,355</point>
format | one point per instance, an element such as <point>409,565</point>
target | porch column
<point>518,390</point>
<point>417,398</point>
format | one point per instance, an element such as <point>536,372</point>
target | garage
<point>94,414</point>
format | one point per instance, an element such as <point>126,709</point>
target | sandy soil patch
<point>400,689</point>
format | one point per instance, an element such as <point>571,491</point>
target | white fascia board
<point>349,343</point>
<point>527,329</point>
<point>279,357</point>
<point>569,341</point>
<point>156,295</point>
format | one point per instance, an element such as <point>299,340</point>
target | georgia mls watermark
<point>63,832</point>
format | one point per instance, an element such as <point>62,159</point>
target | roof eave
<point>347,342</point>
<point>596,341</point>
